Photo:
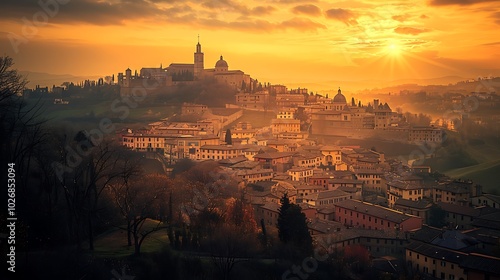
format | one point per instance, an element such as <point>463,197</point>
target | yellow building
<point>218,152</point>
<point>189,147</point>
<point>455,193</point>
<point>373,180</point>
<point>290,100</point>
<point>257,100</point>
<point>191,108</point>
<point>425,134</point>
<point>255,175</point>
<point>435,261</point>
<point>279,126</point>
<point>145,142</point>
<point>286,114</point>
<point>300,173</point>
<point>406,190</point>
<point>332,155</point>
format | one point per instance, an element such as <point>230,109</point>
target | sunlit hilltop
<point>277,41</point>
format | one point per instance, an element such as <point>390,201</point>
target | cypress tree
<point>229,138</point>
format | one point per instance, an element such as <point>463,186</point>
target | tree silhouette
<point>292,227</point>
<point>139,201</point>
<point>229,138</point>
<point>283,226</point>
<point>437,216</point>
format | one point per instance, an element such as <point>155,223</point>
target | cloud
<point>237,7</point>
<point>424,16</point>
<point>400,18</point>
<point>457,2</point>
<point>119,12</point>
<point>308,9</point>
<point>86,11</point>
<point>491,44</point>
<point>226,5</point>
<point>291,1</point>
<point>409,30</point>
<point>263,10</point>
<point>302,24</point>
<point>258,25</point>
<point>496,17</point>
<point>346,16</point>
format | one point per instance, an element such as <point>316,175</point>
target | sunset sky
<point>280,41</point>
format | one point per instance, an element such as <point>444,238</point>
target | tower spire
<point>198,46</point>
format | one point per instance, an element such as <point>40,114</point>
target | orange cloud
<point>400,18</point>
<point>457,2</point>
<point>346,16</point>
<point>308,9</point>
<point>409,30</point>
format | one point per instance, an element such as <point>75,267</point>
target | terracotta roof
<point>375,210</point>
<point>273,155</point>
<point>436,252</point>
<point>458,209</point>
<point>415,204</point>
<point>482,263</point>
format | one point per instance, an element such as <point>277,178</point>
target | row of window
<point>221,152</point>
<point>364,217</point>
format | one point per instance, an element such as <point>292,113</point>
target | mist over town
<point>250,140</point>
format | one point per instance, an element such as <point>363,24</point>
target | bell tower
<point>198,60</point>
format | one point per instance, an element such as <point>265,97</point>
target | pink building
<point>360,214</point>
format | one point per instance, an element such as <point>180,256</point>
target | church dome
<point>339,98</point>
<point>221,63</point>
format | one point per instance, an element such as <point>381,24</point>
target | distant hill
<point>331,86</point>
<point>47,79</point>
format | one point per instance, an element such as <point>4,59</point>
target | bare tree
<point>122,192</point>
<point>140,200</point>
<point>228,247</point>
<point>21,125</point>
<point>84,183</point>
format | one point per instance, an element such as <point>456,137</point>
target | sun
<point>393,49</point>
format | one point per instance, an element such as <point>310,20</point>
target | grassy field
<point>114,243</point>
<point>87,113</point>
<point>486,174</point>
<point>479,162</point>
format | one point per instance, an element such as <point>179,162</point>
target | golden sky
<point>280,41</point>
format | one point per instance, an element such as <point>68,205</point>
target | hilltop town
<point>402,217</point>
<point>441,227</point>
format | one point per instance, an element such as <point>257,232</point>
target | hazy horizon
<point>320,87</point>
<point>287,42</point>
